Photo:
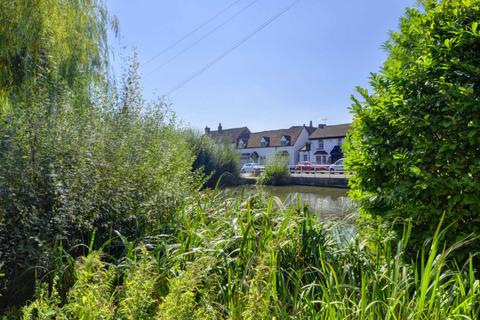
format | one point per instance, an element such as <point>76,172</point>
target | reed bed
<point>250,257</point>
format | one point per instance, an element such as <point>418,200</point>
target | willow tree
<point>51,45</point>
<point>415,144</point>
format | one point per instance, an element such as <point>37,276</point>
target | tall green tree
<point>51,44</point>
<point>415,144</point>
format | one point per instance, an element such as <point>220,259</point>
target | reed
<point>250,257</point>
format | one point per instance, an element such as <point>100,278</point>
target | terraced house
<point>320,144</point>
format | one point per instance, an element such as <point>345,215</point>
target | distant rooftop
<point>275,137</point>
<point>334,131</point>
<point>231,135</point>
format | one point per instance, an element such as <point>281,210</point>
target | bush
<point>415,143</point>
<point>217,161</point>
<point>66,173</point>
<point>276,172</point>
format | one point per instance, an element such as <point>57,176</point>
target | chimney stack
<point>322,125</point>
<point>207,130</point>
<point>220,130</point>
<point>311,124</point>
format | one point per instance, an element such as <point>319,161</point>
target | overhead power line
<point>235,46</point>
<point>202,38</point>
<point>188,34</point>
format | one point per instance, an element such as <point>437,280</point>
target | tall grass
<point>252,258</point>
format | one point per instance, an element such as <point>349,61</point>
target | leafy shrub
<point>218,161</point>
<point>276,172</point>
<point>64,174</point>
<point>415,143</point>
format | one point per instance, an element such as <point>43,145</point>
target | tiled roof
<point>275,137</point>
<point>231,134</point>
<point>335,131</point>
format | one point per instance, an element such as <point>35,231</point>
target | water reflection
<point>327,203</point>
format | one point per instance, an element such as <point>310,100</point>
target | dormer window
<point>265,141</point>
<point>285,141</point>
<point>241,144</point>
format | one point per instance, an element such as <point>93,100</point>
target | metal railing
<point>295,171</point>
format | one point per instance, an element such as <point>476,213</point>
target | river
<point>326,203</point>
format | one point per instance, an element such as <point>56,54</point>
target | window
<point>320,145</point>
<point>245,157</point>
<point>241,144</point>
<point>322,159</point>
<point>305,157</point>
<point>285,141</point>
<point>262,160</point>
<point>265,141</point>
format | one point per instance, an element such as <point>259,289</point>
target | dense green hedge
<point>415,145</point>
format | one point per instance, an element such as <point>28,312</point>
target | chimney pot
<point>220,130</point>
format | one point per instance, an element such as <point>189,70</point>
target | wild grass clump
<point>252,258</point>
<point>276,172</point>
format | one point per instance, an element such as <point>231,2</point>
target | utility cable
<point>201,38</point>
<point>235,46</point>
<point>185,36</point>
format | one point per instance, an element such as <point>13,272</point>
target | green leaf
<point>474,26</point>
<point>445,123</point>
<point>416,170</point>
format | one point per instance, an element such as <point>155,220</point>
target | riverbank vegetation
<point>104,211</point>
<point>217,161</point>
<point>276,172</point>
<point>250,258</point>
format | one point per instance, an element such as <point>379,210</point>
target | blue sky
<point>304,66</point>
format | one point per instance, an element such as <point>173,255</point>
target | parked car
<point>251,167</point>
<point>307,166</point>
<point>337,166</point>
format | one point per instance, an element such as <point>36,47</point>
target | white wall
<point>269,152</point>
<point>328,145</point>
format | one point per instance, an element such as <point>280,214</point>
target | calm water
<point>327,203</point>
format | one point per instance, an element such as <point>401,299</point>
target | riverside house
<point>261,147</point>
<point>324,145</point>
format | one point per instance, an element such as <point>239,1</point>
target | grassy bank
<point>251,258</point>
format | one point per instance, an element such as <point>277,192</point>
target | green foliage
<point>52,44</point>
<point>216,160</point>
<point>66,173</point>
<point>138,298</point>
<point>91,297</point>
<point>415,144</point>
<point>189,294</point>
<point>276,172</point>
<point>250,258</point>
